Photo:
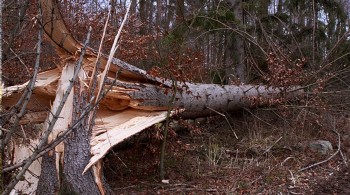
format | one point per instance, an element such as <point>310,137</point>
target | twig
<point>97,64</point>
<point>24,96</point>
<point>228,122</point>
<point>260,119</point>
<point>165,133</point>
<point>3,129</point>
<point>44,137</point>
<point>292,178</point>
<point>20,60</point>
<point>344,158</point>
<point>285,160</point>
<point>63,135</point>
<point>24,133</point>
<point>321,162</point>
<point>268,149</point>
<point>111,53</point>
<point>24,100</point>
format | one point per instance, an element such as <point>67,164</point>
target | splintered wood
<point>136,100</point>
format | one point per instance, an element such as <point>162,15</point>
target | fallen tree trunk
<point>135,101</point>
<point>131,107</point>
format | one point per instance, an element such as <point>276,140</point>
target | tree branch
<point>44,137</point>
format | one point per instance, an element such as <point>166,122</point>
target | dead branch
<point>44,137</point>
<point>26,95</point>
<point>324,161</point>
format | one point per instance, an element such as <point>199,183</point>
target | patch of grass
<point>260,162</point>
<point>214,152</point>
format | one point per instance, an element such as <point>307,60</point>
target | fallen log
<point>136,100</point>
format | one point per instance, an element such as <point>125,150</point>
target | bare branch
<point>324,161</point>
<point>44,137</point>
<point>26,95</point>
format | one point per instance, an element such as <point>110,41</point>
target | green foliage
<point>214,19</point>
<point>217,77</point>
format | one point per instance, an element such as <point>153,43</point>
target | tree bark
<point>180,10</point>
<point>143,18</point>
<point>1,132</point>
<point>133,7</point>
<point>49,179</point>
<point>234,55</point>
<point>114,19</point>
<point>159,13</point>
<point>77,150</point>
<point>136,101</point>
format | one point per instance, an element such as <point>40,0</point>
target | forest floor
<point>205,157</point>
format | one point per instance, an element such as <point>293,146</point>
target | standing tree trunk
<point>136,101</point>
<point>180,10</point>
<point>170,12</point>
<point>49,182</point>
<point>77,149</point>
<point>234,55</point>
<point>1,133</point>
<point>143,16</point>
<point>279,14</point>
<point>150,12</point>
<point>133,7</point>
<point>114,19</point>
<point>159,13</point>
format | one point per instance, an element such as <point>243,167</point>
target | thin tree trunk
<point>279,13</point>
<point>1,133</point>
<point>143,18</point>
<point>229,59</point>
<point>235,65</point>
<point>136,101</point>
<point>133,7</point>
<point>180,8</point>
<point>170,14</point>
<point>114,19</point>
<point>150,12</point>
<point>159,12</point>
<point>22,12</point>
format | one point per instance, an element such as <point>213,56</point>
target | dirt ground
<point>337,184</point>
<point>205,157</point>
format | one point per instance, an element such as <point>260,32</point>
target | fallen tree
<point>128,100</point>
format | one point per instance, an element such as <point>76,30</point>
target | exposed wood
<point>34,118</point>
<point>60,36</point>
<point>116,127</point>
<point>45,83</point>
<point>131,107</point>
<point>65,117</point>
<point>29,185</point>
<point>197,97</point>
<point>77,147</point>
<point>136,101</point>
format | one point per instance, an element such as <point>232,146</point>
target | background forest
<point>213,41</point>
<point>271,42</point>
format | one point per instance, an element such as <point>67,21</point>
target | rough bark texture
<point>48,180</point>
<point>77,151</point>
<point>235,66</point>
<point>137,100</point>
<point>200,99</point>
<point>1,133</point>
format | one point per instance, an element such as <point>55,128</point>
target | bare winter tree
<point>234,55</point>
<point>71,142</point>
